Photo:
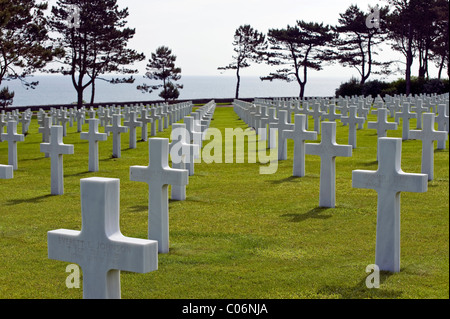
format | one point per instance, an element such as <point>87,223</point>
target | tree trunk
<point>93,92</point>
<point>238,83</point>
<point>409,59</point>
<point>302,90</point>
<point>80,97</point>
<point>441,67</point>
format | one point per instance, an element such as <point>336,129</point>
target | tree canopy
<point>161,67</point>
<point>249,46</point>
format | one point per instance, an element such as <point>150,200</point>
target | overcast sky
<point>200,32</point>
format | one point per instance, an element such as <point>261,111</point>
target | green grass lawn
<point>239,234</point>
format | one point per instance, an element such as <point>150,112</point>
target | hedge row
<point>377,87</point>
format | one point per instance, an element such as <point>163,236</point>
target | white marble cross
<point>428,135</point>
<point>145,119</point>
<point>182,155</point>
<point>382,125</point>
<point>63,120</point>
<point>3,123</point>
<point>282,125</point>
<point>389,181</point>
<point>25,120</point>
<point>100,248</point>
<point>12,138</point>
<point>154,117</point>
<point>271,138</point>
<point>182,152</point>
<point>195,135</point>
<point>6,172</point>
<point>442,120</point>
<point>162,118</point>
<point>328,150</point>
<point>263,122</point>
<point>353,120</point>
<point>405,115</point>
<point>80,116</point>
<point>299,135</point>
<point>158,175</point>
<point>56,148</point>
<point>316,114</point>
<point>332,116</point>
<point>419,109</point>
<point>45,130</point>
<point>93,136</point>
<point>132,124</point>
<point>116,128</point>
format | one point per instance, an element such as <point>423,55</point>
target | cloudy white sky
<point>200,32</point>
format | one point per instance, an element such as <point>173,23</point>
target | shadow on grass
<point>34,200</point>
<point>109,159</point>
<point>368,163</point>
<point>285,180</point>
<point>33,159</point>
<point>138,209</point>
<point>360,290</point>
<point>313,213</point>
<point>188,199</point>
<point>77,174</point>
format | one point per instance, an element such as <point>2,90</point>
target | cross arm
<point>139,255</point>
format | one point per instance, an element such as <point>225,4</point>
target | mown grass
<point>239,234</point>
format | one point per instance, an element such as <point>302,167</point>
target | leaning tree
<point>249,46</point>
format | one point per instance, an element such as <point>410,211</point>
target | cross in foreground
<point>158,175</point>
<point>100,248</point>
<point>389,180</point>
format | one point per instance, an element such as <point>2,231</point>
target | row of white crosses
<point>389,180</point>
<point>249,112</point>
<point>99,248</point>
<point>55,148</point>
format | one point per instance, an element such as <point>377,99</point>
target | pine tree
<point>298,48</point>
<point>94,37</point>
<point>249,45</point>
<point>161,67</point>
<point>23,41</point>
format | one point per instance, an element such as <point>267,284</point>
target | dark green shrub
<point>350,88</point>
<point>374,88</point>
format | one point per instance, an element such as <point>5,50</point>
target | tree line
<point>82,39</point>
<point>86,39</point>
<point>417,29</point>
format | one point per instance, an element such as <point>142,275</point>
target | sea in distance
<point>56,89</point>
